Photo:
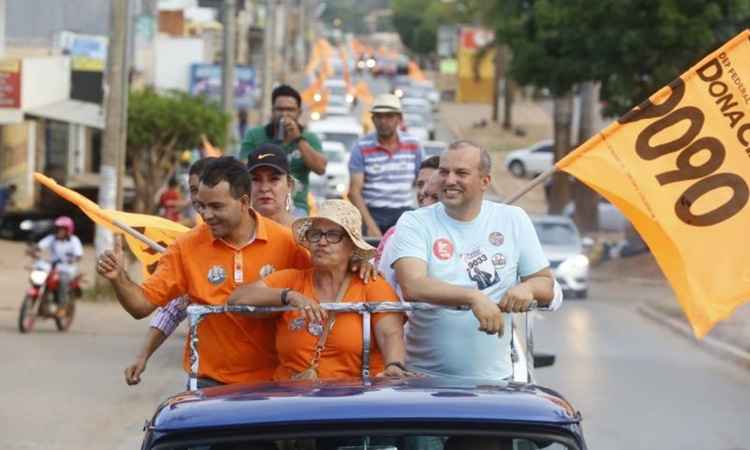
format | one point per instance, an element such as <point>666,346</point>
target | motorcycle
<point>42,297</point>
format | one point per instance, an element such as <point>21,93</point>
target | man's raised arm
<point>129,294</point>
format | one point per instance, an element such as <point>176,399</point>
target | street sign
<point>205,79</point>
<point>10,83</point>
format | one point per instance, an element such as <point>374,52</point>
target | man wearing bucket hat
<point>310,343</point>
<point>383,167</point>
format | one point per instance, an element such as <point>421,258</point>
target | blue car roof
<point>411,400</point>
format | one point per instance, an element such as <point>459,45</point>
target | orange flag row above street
<point>678,166</point>
<point>158,229</point>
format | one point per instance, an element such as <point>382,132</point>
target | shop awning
<point>71,111</point>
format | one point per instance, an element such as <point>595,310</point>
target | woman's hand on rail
<point>309,308</point>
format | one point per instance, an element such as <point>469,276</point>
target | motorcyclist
<point>66,250</point>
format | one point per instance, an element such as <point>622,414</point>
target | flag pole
<point>534,183</point>
<point>127,229</point>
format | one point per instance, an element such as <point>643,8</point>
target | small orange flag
<point>209,151</point>
<point>415,73</point>
<point>158,229</point>
<point>678,166</point>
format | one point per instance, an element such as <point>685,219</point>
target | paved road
<point>66,391</point>
<point>638,385</point>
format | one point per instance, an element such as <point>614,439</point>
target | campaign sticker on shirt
<point>297,324</point>
<point>497,238</point>
<point>266,270</point>
<point>315,328</point>
<point>480,269</point>
<point>442,249</point>
<point>216,275</point>
<point>498,260</point>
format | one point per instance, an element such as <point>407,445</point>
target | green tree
<point>645,44</point>
<point>160,126</point>
<point>633,47</point>
<point>417,22</point>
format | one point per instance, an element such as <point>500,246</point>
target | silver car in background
<point>334,183</point>
<point>563,246</point>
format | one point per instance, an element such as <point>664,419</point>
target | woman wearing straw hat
<point>310,342</point>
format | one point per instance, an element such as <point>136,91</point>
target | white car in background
<point>338,91</point>
<point>335,182</point>
<point>411,105</point>
<point>415,125</point>
<point>531,161</point>
<point>433,148</point>
<point>344,129</point>
<point>563,246</point>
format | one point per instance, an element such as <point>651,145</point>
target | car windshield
<point>334,156</point>
<point>347,139</point>
<point>416,109</point>
<point>431,150</point>
<point>553,233</point>
<point>337,101</point>
<point>390,441</point>
<point>413,120</point>
<point>337,90</point>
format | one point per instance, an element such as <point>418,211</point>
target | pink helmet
<point>65,222</point>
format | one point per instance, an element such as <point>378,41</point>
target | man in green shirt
<point>303,148</point>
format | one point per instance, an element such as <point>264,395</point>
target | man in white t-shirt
<point>465,251</point>
<point>66,250</point>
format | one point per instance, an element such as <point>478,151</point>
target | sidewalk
<point>730,338</point>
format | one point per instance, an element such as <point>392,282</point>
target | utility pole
<point>3,8</point>
<point>227,72</point>
<point>587,212</point>
<point>268,58</point>
<point>115,107</point>
<point>302,35</point>
<point>281,43</point>
<point>127,24</point>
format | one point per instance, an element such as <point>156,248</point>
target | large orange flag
<point>158,229</point>
<point>678,166</point>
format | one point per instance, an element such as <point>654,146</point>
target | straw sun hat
<point>342,213</point>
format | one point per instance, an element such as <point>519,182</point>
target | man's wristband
<point>285,296</point>
<point>400,365</point>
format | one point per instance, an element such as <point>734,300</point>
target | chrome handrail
<point>196,314</point>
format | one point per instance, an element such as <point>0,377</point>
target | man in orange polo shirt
<point>234,246</point>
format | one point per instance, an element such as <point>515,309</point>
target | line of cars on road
<point>339,127</point>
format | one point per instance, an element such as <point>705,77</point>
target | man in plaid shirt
<point>166,319</point>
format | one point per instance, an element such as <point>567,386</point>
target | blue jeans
<point>204,382</point>
<point>386,217</point>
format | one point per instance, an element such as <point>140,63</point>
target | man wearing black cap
<point>303,149</point>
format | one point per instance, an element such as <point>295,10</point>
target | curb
<point>624,279</point>
<point>709,344</point>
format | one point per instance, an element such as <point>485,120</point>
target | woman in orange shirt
<point>333,238</point>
